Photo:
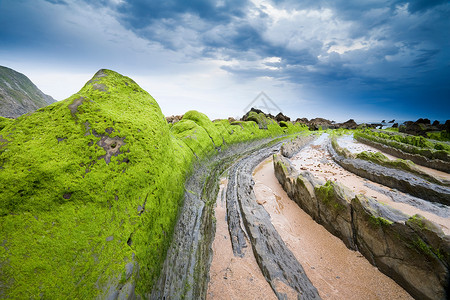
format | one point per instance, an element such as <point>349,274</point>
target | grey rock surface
<point>437,164</point>
<point>289,149</point>
<point>412,250</point>
<point>185,273</point>
<point>18,95</point>
<point>394,178</point>
<point>277,263</point>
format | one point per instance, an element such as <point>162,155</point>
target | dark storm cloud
<point>422,5</point>
<point>401,42</point>
<point>139,13</point>
<point>387,50</point>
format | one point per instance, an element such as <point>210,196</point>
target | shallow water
<point>336,271</point>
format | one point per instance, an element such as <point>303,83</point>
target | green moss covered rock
<point>90,189</point>
<point>203,121</point>
<point>81,193</point>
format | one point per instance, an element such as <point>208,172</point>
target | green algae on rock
<point>90,189</point>
<point>81,194</point>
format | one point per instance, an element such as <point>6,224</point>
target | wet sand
<point>316,159</point>
<point>355,147</point>
<point>233,277</point>
<point>336,271</point>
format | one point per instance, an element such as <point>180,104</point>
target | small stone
<point>109,238</point>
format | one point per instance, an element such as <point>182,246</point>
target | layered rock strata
<point>410,249</point>
<point>437,164</point>
<point>394,178</point>
<point>277,263</point>
<point>290,149</point>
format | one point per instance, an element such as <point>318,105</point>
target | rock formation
<point>410,249</point>
<point>423,126</point>
<point>90,190</point>
<point>18,95</point>
<point>350,124</point>
<point>173,119</point>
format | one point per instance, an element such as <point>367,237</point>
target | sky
<point>367,60</point>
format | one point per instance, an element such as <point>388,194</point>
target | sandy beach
<point>336,271</point>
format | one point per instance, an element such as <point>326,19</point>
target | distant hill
<point>18,95</point>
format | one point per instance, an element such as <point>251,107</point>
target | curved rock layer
<point>437,164</point>
<point>412,250</point>
<point>91,187</point>
<point>185,270</point>
<point>290,149</point>
<point>278,264</point>
<point>394,178</point>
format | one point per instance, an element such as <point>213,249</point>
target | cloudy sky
<point>338,59</point>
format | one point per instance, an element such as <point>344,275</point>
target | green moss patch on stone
<point>423,247</point>
<point>327,194</point>
<point>379,221</point>
<point>407,143</point>
<point>70,220</point>
<point>340,150</point>
<point>90,186</point>
<point>258,118</point>
<point>4,122</point>
<point>203,121</point>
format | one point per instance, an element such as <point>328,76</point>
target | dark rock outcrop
<point>423,121</point>
<point>257,111</point>
<point>392,121</point>
<point>350,124</point>
<point>320,123</point>
<point>18,95</point>
<point>280,117</point>
<point>174,119</point>
<point>423,126</point>
<point>302,120</point>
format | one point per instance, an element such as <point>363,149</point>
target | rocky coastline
<point>411,249</point>
<point>104,188</point>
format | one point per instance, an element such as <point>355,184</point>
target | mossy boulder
<point>258,118</point>
<point>4,122</point>
<point>81,202</point>
<point>194,136</point>
<point>90,189</point>
<point>203,121</point>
